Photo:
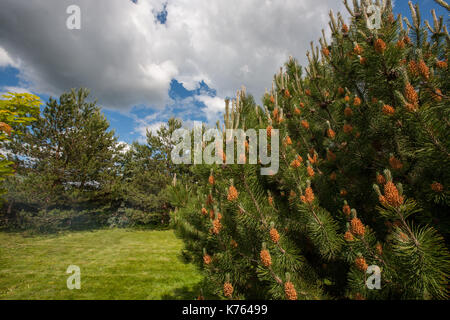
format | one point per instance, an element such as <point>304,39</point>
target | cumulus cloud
<point>127,57</point>
<point>5,59</point>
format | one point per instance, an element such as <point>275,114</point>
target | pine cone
<point>357,227</point>
<point>310,171</point>
<point>207,259</point>
<point>395,163</point>
<point>228,289</point>
<point>437,187</point>
<point>348,128</point>
<point>361,264</point>
<point>289,291</point>
<point>411,94</point>
<point>423,69</point>
<point>348,112</point>
<point>305,124</point>
<point>392,195</point>
<point>346,209</point>
<point>265,258</point>
<point>211,180</point>
<point>274,235</point>
<point>388,110</point>
<point>380,46</point>
<point>232,193</point>
<point>348,236</point>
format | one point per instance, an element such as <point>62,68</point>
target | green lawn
<point>115,264</point>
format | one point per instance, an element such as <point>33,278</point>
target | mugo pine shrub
<point>363,178</point>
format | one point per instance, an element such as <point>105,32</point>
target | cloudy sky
<point>148,60</point>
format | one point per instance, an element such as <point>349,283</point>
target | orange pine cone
<point>287,94</point>
<point>379,248</point>
<point>357,101</point>
<point>297,110</point>
<point>411,94</point>
<point>272,99</point>
<point>441,65</point>
<point>207,259</point>
<point>265,258</point>
<point>437,187</point>
<point>228,289</point>
<point>423,69</point>
<point>400,44</point>
<point>270,199</point>
<point>289,291</point>
<point>380,46</point>
<point>346,209</point>
<point>388,110</point>
<point>309,195</point>
<point>308,92</point>
<point>348,128</point>
<point>305,124</point>
<point>204,211</point>
<point>232,193</point>
<point>300,159</point>
<point>392,195</point>
<point>347,98</point>
<point>362,60</point>
<point>437,95</point>
<point>269,130</point>
<point>275,113</point>
<point>348,236</point>
<point>357,227</point>
<point>331,134</point>
<point>217,226</point>
<point>326,52</point>
<point>274,235</point>
<point>395,163</point>
<point>211,180</point>
<point>361,264</point>
<point>302,105</point>
<point>381,179</point>
<point>310,171</point>
<point>288,140</point>
<point>295,163</point>
<point>341,90</point>
<point>212,214</point>
<point>233,243</point>
<point>358,50</point>
<point>412,67</point>
<point>348,112</point>
<point>345,28</point>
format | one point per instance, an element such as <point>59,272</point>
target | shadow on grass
<point>189,293</point>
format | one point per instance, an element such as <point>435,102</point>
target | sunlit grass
<point>115,264</point>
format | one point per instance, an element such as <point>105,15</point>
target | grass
<point>115,264</point>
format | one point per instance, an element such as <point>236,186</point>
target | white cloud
<point>127,58</point>
<point>215,106</point>
<point>5,59</point>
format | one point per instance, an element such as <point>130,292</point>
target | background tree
<point>67,156</point>
<point>17,110</point>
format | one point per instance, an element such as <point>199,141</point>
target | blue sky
<point>183,89</point>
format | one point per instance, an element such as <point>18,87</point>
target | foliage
<point>16,112</point>
<point>363,177</point>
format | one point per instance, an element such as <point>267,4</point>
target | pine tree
<point>363,178</point>
<point>67,156</point>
